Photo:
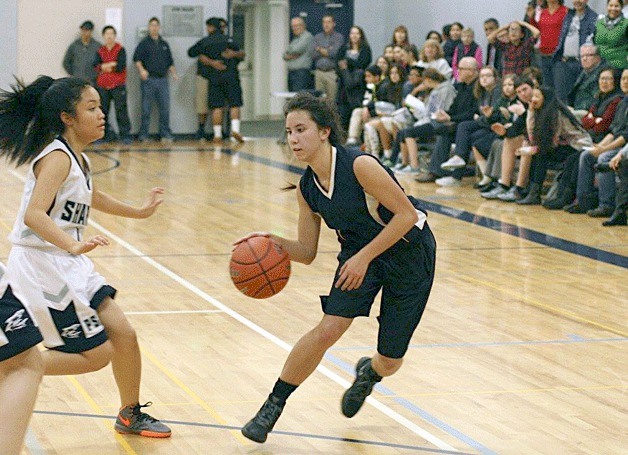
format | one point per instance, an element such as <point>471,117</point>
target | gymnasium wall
<point>35,34</point>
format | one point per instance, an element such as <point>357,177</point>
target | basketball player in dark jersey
<point>387,247</point>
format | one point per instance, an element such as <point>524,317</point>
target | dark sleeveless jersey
<point>356,217</point>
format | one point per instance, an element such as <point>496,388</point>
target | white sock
<point>218,131</point>
<point>235,125</point>
<point>387,153</point>
<point>482,166</point>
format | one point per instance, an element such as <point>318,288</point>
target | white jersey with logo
<point>70,208</point>
<point>43,276</point>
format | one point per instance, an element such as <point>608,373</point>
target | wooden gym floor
<point>522,349</point>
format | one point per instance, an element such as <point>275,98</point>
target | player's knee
<point>122,332</point>
<point>329,333</point>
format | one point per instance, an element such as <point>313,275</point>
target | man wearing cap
<point>79,58</point>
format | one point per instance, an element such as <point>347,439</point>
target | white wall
<point>183,117</point>
<point>8,49</point>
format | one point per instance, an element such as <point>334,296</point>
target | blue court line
<point>275,432</point>
<point>500,226</point>
<point>350,369</point>
<point>572,339</point>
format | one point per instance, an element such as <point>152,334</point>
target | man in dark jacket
<point>578,26</point>
<point>463,108</point>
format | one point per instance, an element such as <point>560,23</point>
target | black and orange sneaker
<point>131,420</point>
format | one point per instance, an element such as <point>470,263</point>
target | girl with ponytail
<point>48,124</point>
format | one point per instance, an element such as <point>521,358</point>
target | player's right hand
<point>250,235</point>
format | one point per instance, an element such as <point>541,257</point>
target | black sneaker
<point>258,427</point>
<point>200,135</point>
<point>354,397</point>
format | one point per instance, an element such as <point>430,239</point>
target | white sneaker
<point>408,170</point>
<point>455,162</point>
<point>494,193</point>
<point>448,181</point>
<point>398,166</point>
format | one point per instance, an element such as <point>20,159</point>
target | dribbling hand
<point>248,236</point>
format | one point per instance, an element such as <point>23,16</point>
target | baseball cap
<point>87,25</point>
<point>214,22</point>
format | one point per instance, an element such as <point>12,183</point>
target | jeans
<point>118,96</point>
<point>547,70</point>
<point>606,180</point>
<point>300,79</point>
<point>565,75</point>
<point>541,161</point>
<point>156,89</point>
<point>468,134</point>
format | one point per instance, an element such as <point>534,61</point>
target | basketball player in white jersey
<point>48,124</point>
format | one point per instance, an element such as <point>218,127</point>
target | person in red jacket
<point>550,23</point>
<point>110,63</point>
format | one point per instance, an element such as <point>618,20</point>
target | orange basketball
<point>259,267</point>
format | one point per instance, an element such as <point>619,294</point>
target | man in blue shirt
<point>153,60</point>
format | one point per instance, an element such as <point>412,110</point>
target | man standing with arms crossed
<point>325,47</point>
<point>298,58</point>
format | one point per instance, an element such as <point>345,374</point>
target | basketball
<point>259,267</point>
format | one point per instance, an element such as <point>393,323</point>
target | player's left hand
<point>352,273</point>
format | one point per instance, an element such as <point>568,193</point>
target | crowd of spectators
<point>547,93</point>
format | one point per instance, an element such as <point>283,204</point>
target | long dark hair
<point>321,111</point>
<point>546,120</point>
<point>30,116</point>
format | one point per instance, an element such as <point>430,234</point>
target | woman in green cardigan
<point>611,35</point>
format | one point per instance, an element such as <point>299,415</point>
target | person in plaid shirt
<point>518,52</point>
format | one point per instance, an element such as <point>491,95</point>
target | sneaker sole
<point>250,437</point>
<point>452,168</point>
<point>144,433</point>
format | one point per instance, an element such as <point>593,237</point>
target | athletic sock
<point>235,125</point>
<point>283,390</point>
<point>218,131</point>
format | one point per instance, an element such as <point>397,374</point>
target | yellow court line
<point>217,417</point>
<point>549,308</point>
<point>98,410</point>
<point>502,392</point>
<point>6,226</point>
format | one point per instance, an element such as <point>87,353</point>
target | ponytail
<point>30,116</point>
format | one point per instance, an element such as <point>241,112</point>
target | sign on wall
<point>183,21</point>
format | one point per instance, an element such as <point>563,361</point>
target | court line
<point>489,344</point>
<point>32,443</point>
<point>278,432</point>
<point>97,408</point>
<point>270,337</point>
<point>348,368</point>
<point>198,400</point>
<point>479,220</point>
<point>549,308</point>
<point>173,312</point>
